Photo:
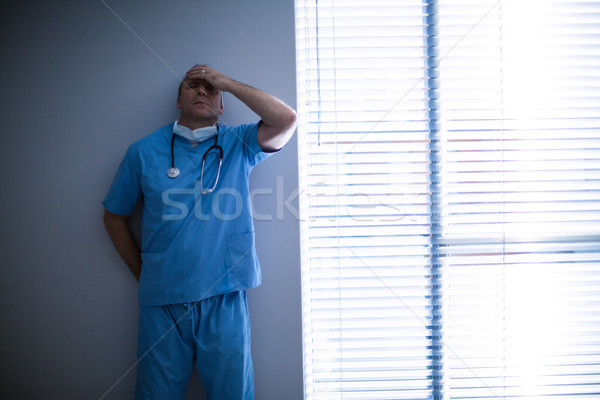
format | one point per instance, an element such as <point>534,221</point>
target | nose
<point>201,90</point>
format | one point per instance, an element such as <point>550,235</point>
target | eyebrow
<point>207,85</point>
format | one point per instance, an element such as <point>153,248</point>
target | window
<point>450,198</point>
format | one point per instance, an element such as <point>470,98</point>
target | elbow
<point>272,138</point>
<point>292,120</point>
<point>288,126</point>
<point>287,130</point>
<point>286,119</point>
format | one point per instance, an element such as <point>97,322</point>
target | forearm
<point>122,237</point>
<point>279,120</point>
<point>270,109</point>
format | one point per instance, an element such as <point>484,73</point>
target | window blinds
<point>519,166</point>
<point>450,185</point>
<point>364,183</point>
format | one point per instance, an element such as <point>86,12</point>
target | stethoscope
<point>173,172</point>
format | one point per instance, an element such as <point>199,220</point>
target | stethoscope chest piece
<point>173,172</point>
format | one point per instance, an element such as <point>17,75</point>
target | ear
<point>179,102</point>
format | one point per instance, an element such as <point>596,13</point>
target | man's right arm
<point>122,237</point>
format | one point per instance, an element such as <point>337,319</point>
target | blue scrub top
<point>194,245</point>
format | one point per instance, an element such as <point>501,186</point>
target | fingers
<point>215,78</point>
<point>200,71</point>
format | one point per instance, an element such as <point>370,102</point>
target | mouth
<point>195,103</point>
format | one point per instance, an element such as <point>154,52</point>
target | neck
<point>195,124</point>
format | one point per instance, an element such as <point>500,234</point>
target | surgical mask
<point>197,135</point>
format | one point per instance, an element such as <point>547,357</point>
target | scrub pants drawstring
<point>190,311</point>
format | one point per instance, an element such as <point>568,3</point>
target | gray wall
<point>77,88</point>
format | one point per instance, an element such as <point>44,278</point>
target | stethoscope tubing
<point>173,172</point>
<point>214,146</point>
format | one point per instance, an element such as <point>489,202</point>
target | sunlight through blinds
<point>449,158</point>
<point>364,184</point>
<point>519,166</point>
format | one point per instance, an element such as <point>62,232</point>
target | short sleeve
<point>252,150</point>
<point>125,189</point>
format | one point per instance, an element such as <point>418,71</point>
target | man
<point>197,254</point>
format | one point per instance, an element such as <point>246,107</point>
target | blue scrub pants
<point>214,333</point>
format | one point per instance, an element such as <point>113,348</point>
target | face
<point>199,101</point>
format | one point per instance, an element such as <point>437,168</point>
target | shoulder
<point>239,129</point>
<point>241,134</point>
<point>244,138</point>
